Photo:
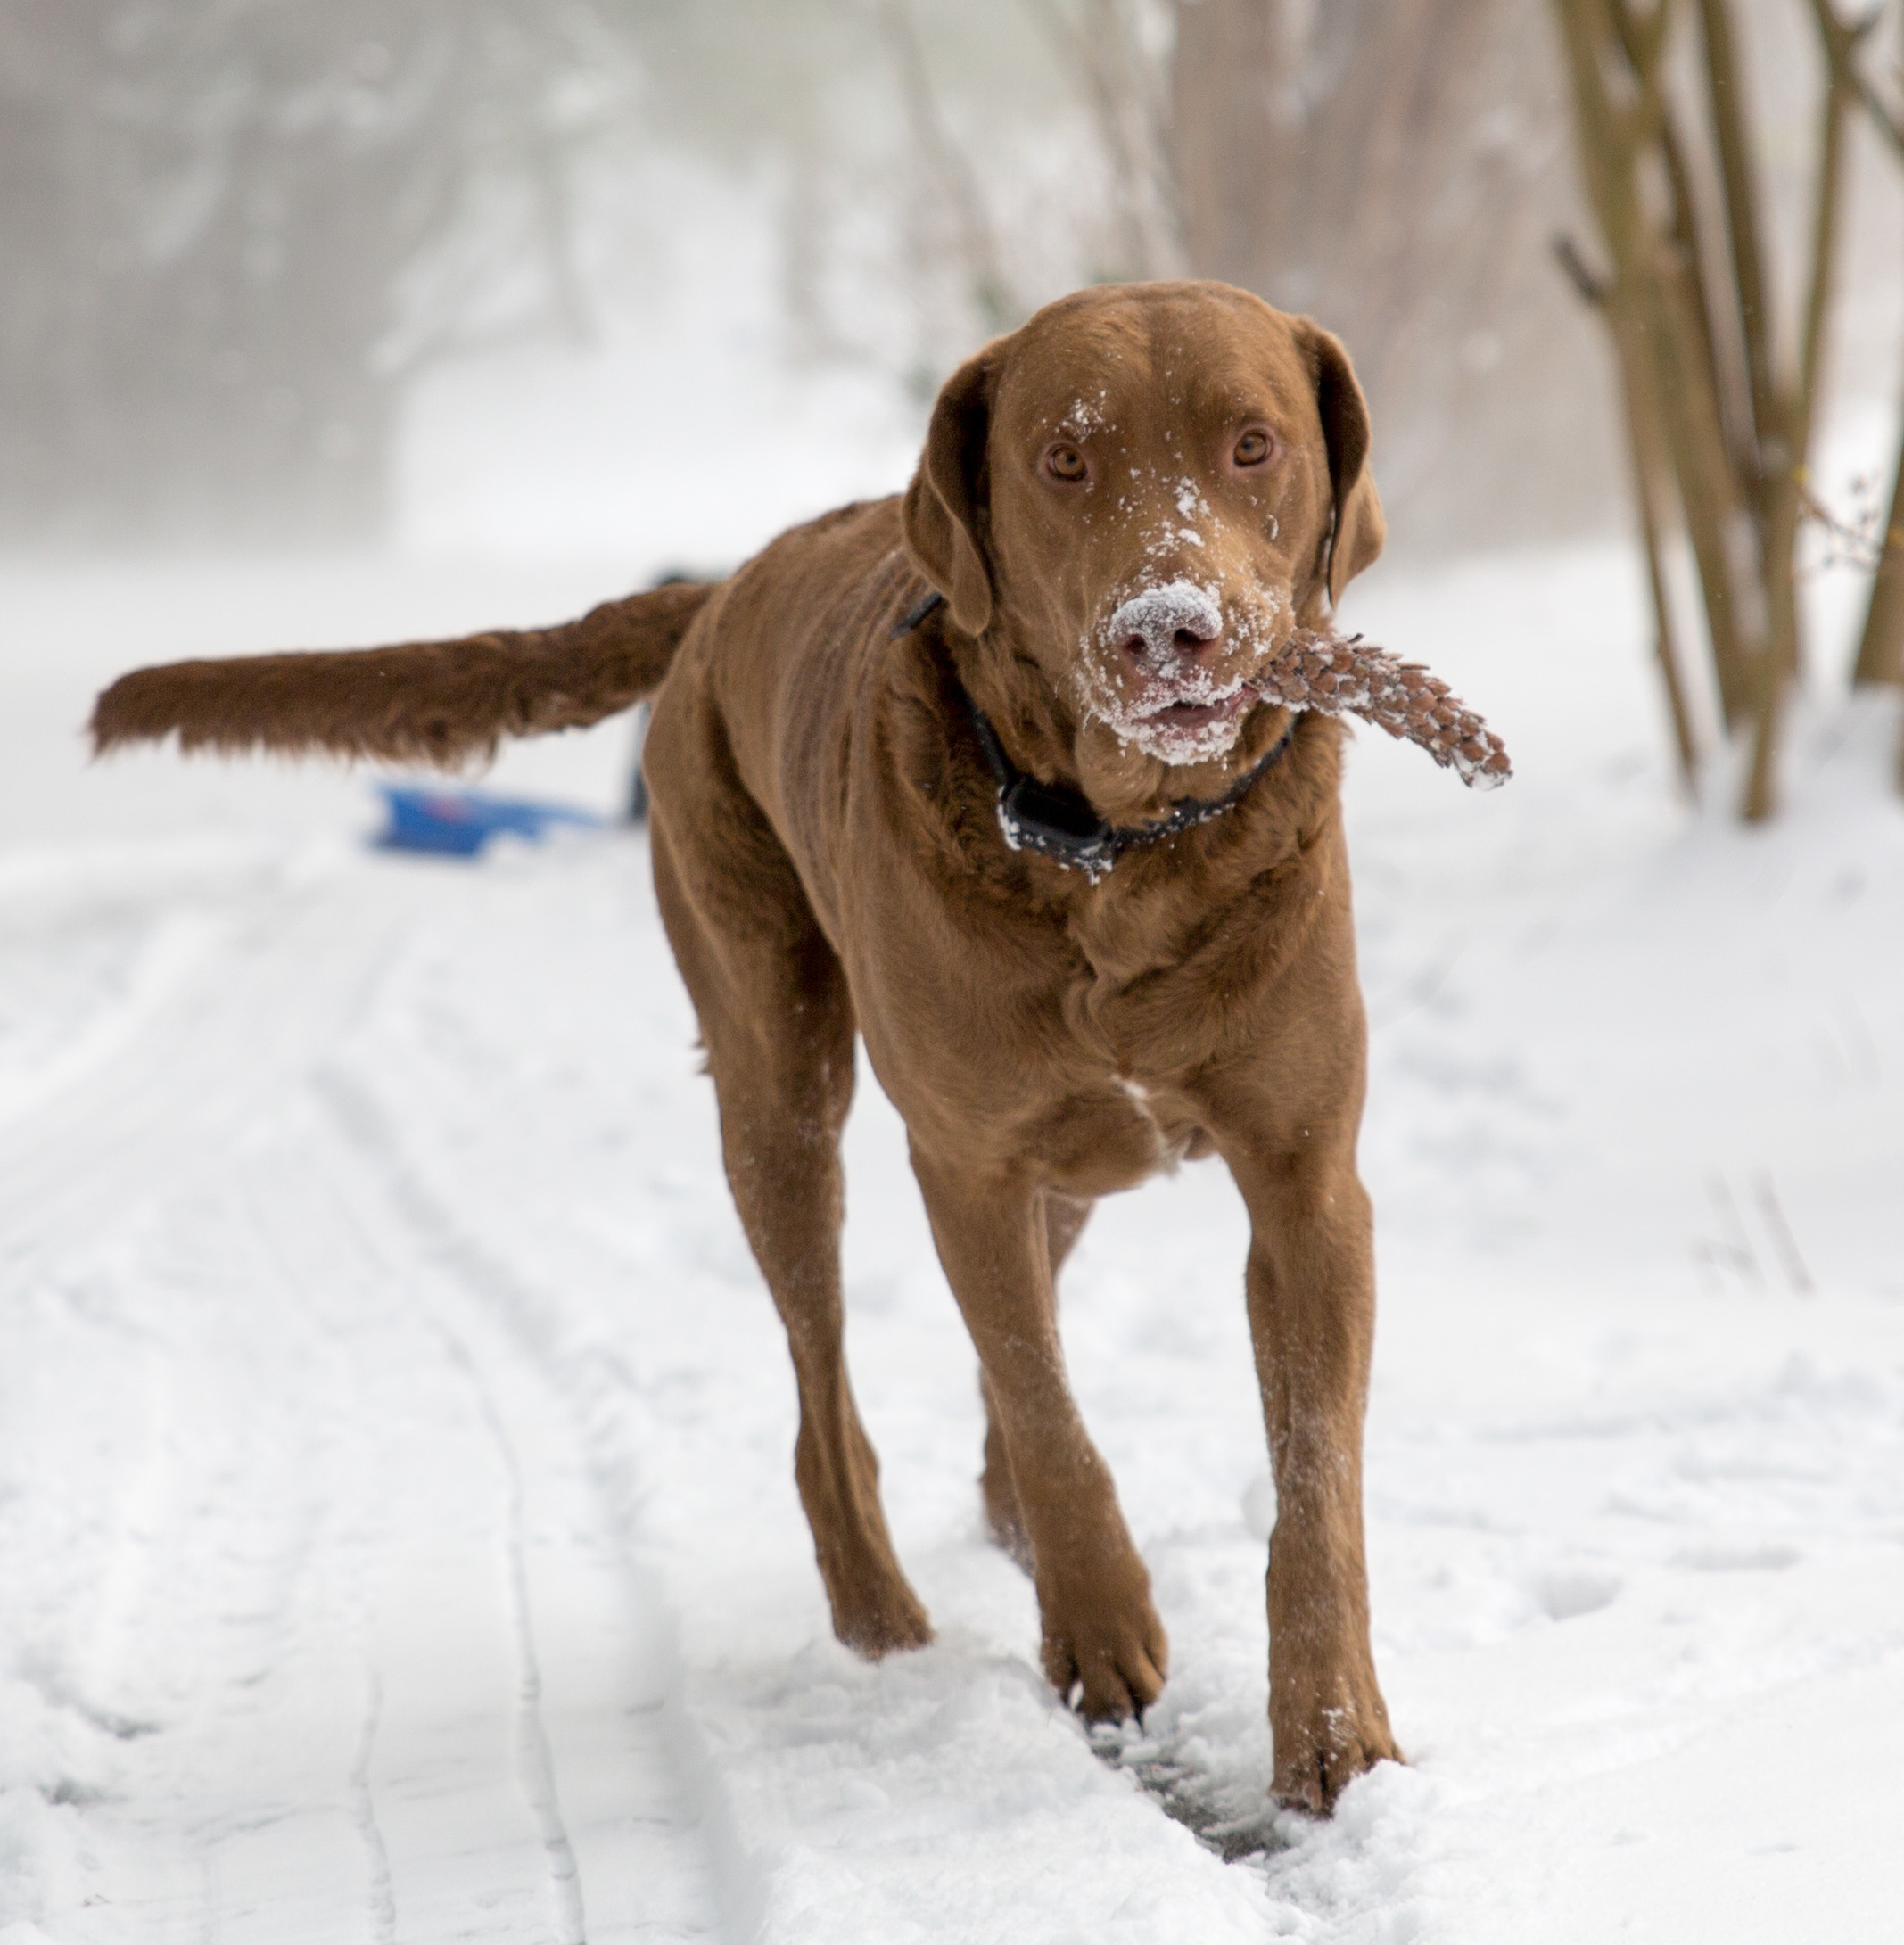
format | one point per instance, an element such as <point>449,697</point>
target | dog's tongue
<point>1349,677</point>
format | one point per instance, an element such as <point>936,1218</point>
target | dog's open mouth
<point>1180,727</point>
<point>1189,715</point>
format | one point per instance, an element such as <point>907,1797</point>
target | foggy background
<point>398,1534</point>
<point>647,279</point>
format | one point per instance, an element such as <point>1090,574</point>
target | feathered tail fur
<point>440,703</point>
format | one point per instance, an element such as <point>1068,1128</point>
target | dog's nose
<point>1175,622</point>
<point>1185,644</point>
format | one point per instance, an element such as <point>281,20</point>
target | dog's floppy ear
<point>1359,528</point>
<point>944,504</point>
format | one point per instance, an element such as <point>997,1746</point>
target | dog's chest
<point>1107,1130</point>
<point>1117,1105</point>
<point>1140,1002</point>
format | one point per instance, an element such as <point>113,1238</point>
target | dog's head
<point>1131,501</point>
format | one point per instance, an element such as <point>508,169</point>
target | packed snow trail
<point>398,1538</point>
<point>363,1638</point>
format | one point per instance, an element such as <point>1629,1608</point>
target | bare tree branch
<point>991,292</point>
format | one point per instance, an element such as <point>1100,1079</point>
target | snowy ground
<point>398,1538</point>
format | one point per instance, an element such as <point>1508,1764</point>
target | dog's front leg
<point>1311,1285</point>
<point>1101,1634</point>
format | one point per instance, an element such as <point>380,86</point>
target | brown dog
<point>981,833</point>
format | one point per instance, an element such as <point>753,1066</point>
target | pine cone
<point>1350,677</point>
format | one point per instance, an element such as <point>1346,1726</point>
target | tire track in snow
<point>364,1815</point>
<point>535,1766</point>
<point>343,1282</point>
<point>689,1821</point>
<point>184,1138</point>
<point>473,1832</point>
<point>222,1004</point>
<point>202,1536</point>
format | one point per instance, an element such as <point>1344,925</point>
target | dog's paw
<point>875,1621</point>
<point>1321,1750</point>
<point>1105,1650</point>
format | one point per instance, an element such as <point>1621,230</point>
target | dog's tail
<point>439,702</point>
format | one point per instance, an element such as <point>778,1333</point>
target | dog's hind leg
<point>1065,1216</point>
<point>777,1025</point>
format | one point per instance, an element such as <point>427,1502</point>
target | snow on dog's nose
<point>1160,624</point>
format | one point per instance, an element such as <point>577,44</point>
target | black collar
<point>1058,822</point>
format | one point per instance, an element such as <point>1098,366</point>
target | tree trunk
<point>1699,354</point>
<point>1881,651</point>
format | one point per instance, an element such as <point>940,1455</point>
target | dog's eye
<point>1065,463</point>
<point>1253,448</point>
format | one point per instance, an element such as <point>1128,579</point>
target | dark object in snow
<point>1350,677</point>
<point>458,823</point>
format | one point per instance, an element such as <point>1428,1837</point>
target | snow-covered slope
<point>398,1536</point>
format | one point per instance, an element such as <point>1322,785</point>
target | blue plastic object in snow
<point>458,823</point>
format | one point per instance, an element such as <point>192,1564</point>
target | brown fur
<point>829,864</point>
<point>444,703</point>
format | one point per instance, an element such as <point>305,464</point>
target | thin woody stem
<point>1735,176</point>
<point>1785,474</point>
